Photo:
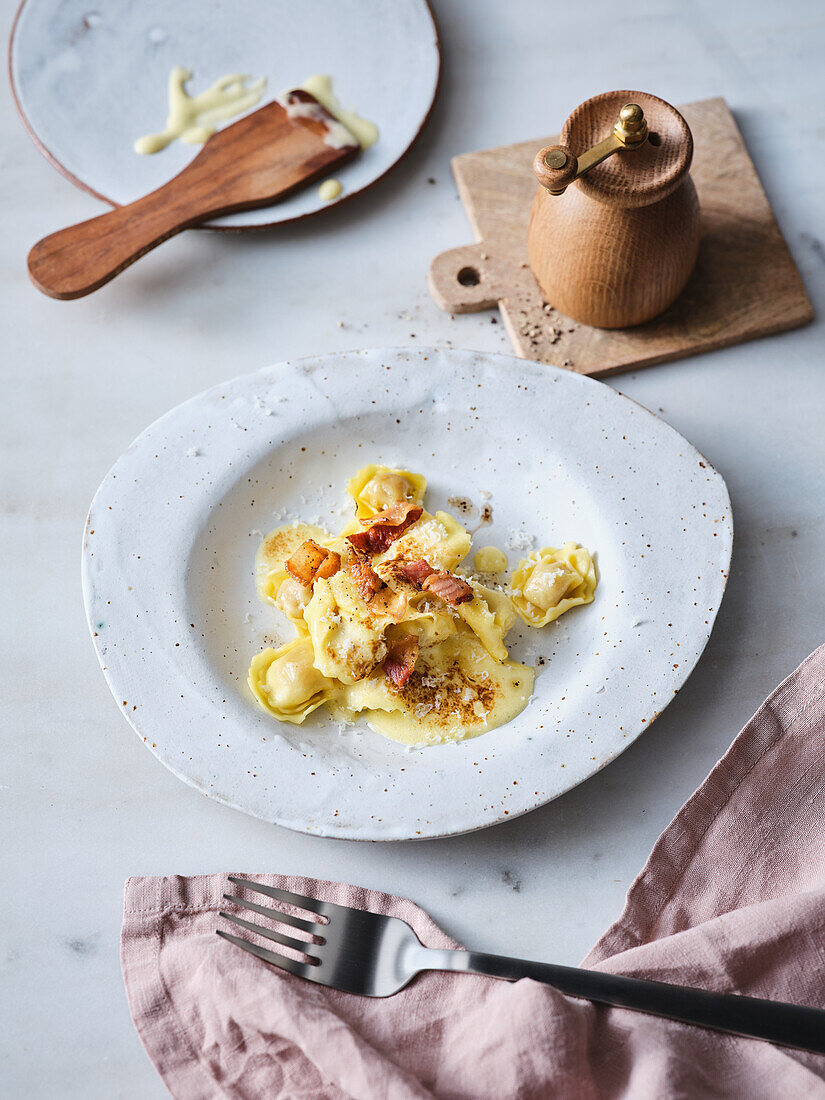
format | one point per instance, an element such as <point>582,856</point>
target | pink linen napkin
<point>732,898</point>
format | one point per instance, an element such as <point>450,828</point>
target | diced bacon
<point>394,514</point>
<point>381,530</point>
<point>330,565</point>
<point>305,562</point>
<point>366,579</point>
<point>400,660</point>
<point>450,588</point>
<point>414,571</point>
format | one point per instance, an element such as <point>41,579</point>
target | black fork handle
<point>753,1017</point>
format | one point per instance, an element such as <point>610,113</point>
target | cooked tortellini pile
<point>388,631</point>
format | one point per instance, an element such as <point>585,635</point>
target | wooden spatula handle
<point>252,163</point>
<point>79,259</point>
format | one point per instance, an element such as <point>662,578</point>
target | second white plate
<point>168,577</point>
<point>89,78</point>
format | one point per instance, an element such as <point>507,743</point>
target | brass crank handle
<point>556,166</point>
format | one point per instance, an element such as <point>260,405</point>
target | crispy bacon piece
<point>366,579</point>
<point>400,660</point>
<point>414,571</point>
<point>394,514</point>
<point>310,561</point>
<point>381,530</point>
<point>452,589</point>
<point>330,565</point>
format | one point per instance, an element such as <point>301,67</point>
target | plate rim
<point>354,832</point>
<point>347,197</point>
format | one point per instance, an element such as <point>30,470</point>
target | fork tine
<point>276,914</point>
<point>303,970</point>
<point>311,905</point>
<point>269,934</point>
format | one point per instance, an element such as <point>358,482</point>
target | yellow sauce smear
<point>489,559</point>
<point>330,190</point>
<point>320,86</point>
<point>193,119</point>
<point>365,131</point>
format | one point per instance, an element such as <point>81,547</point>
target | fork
<point>376,956</point>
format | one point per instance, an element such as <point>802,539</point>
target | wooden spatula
<point>256,161</point>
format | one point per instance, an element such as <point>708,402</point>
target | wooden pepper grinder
<point>614,228</point>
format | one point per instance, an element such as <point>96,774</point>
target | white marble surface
<point>82,804</point>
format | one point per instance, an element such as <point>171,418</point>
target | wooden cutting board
<point>745,283</point>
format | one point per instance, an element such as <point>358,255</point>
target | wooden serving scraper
<point>254,162</point>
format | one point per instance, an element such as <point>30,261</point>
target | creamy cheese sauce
<point>489,559</point>
<point>193,119</point>
<point>336,134</point>
<point>320,86</point>
<point>459,692</point>
<point>330,190</point>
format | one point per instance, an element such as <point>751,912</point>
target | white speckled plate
<point>90,77</point>
<point>168,577</point>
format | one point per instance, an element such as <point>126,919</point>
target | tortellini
<point>346,644</point>
<point>292,598</point>
<point>389,631</point>
<point>377,487</point>
<point>489,615</point>
<point>549,582</point>
<point>426,621</point>
<point>286,682</point>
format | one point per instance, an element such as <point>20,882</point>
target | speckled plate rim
<point>348,196</point>
<point>516,803</point>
